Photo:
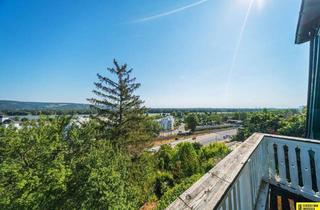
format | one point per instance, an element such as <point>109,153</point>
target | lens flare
<point>260,3</point>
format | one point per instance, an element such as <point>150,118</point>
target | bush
<point>142,174</point>
<point>185,161</point>
<point>215,150</point>
<point>177,190</point>
<point>164,157</point>
<point>294,126</point>
<point>164,181</point>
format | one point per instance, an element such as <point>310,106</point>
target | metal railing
<point>234,183</point>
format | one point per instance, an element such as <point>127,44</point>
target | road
<point>203,139</point>
<point>181,128</point>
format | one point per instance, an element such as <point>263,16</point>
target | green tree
<point>33,168</point>
<point>294,126</point>
<point>44,167</point>
<point>119,110</point>
<point>284,122</point>
<point>99,178</point>
<point>152,127</point>
<point>164,157</point>
<point>192,121</point>
<point>186,161</point>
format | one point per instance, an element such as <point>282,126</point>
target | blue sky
<point>181,51</point>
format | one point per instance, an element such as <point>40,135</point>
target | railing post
<point>293,166</point>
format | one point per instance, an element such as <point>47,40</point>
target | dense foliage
<point>176,191</point>
<point>46,166</point>
<point>178,168</point>
<point>191,121</point>
<point>284,122</point>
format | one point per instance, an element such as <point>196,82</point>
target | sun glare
<point>260,3</point>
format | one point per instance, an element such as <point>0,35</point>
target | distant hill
<point>23,108</point>
<point>6,105</point>
<point>169,110</point>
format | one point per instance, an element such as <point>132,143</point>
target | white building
<point>166,123</point>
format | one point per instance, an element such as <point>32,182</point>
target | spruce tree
<point>119,110</point>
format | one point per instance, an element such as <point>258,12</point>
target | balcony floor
<point>283,200</point>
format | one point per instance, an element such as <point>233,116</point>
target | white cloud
<point>180,9</point>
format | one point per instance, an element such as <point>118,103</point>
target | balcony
<point>264,172</point>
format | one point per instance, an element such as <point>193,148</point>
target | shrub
<point>294,126</point>
<point>164,181</point>
<point>215,150</point>
<point>177,190</point>
<point>164,157</point>
<point>185,161</point>
<point>143,174</point>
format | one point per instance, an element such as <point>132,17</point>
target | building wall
<point>313,114</point>
<point>166,123</point>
